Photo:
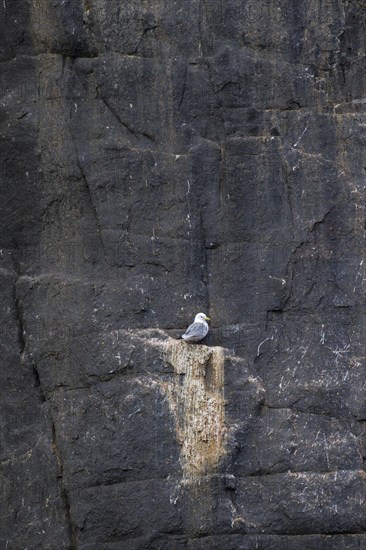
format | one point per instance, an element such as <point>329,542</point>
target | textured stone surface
<point>161,158</point>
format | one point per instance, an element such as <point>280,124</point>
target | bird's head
<point>201,317</point>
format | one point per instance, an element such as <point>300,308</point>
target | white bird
<point>197,330</point>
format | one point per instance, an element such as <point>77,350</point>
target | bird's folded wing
<point>196,330</point>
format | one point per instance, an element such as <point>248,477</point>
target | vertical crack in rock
<point>183,87</point>
<point>23,344</point>
<point>289,193</point>
<point>63,491</point>
<point>21,329</point>
<point>205,266</point>
<point>197,401</point>
<point>29,364</point>
<point>38,385</point>
<point>90,195</point>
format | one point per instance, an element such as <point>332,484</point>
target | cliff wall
<point>161,158</point>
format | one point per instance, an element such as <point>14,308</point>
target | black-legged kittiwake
<point>197,330</point>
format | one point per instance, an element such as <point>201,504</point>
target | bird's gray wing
<point>195,330</point>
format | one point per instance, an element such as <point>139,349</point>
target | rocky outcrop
<point>161,159</point>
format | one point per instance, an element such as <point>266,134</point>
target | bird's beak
<point>208,319</point>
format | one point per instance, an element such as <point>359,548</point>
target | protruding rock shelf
<point>196,398</point>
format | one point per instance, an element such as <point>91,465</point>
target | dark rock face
<point>159,159</point>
